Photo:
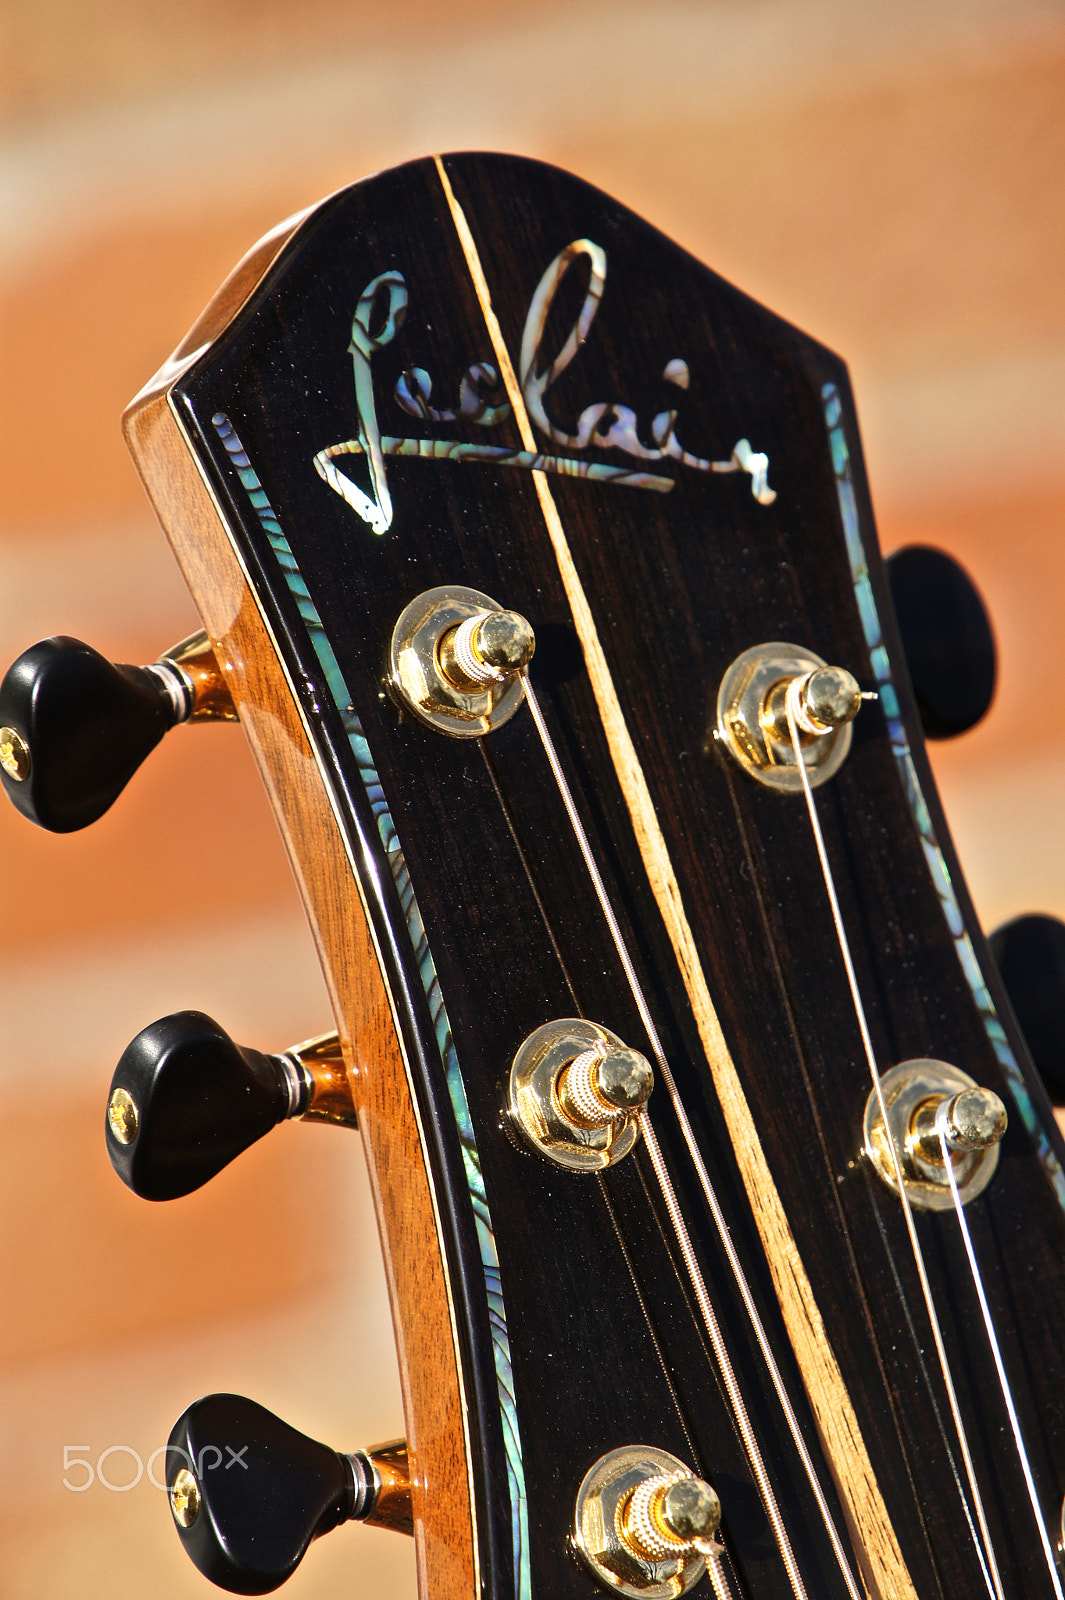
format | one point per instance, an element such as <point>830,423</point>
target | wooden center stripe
<point>881,1558</point>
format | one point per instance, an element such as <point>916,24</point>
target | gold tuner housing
<point>576,1092</point>
<point>921,1096</point>
<point>191,669</point>
<point>752,714</point>
<point>456,661</point>
<point>645,1524</point>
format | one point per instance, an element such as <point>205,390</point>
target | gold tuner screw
<point>602,1085</point>
<point>14,755</point>
<point>185,1498</point>
<point>486,649</point>
<point>122,1116</point>
<point>669,1517</point>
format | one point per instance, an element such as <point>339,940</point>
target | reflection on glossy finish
<point>392,1505</point>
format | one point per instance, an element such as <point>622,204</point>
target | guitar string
<point>992,1339</point>
<point>568,980</point>
<point>756,874</point>
<point>716,1571</point>
<point>926,1378</point>
<point>680,1226</point>
<point>988,1566</point>
<point>837,1424</point>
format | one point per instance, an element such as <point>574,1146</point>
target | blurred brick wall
<point>893,179</point>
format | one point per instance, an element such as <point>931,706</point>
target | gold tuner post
<point>576,1092</point>
<point>456,661</point>
<point>921,1098</point>
<point>771,683</point>
<point>646,1525</point>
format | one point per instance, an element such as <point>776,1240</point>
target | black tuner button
<point>946,638</point>
<point>185,1100</point>
<point>1030,955</point>
<point>74,727</point>
<point>249,1493</point>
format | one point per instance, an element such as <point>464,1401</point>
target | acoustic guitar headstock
<point>539,567</point>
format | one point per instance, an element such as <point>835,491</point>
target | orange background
<point>892,178</point>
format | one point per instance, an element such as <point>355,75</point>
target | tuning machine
<point>249,1493</point>
<point>74,727</point>
<point>456,661</point>
<point>576,1091</point>
<point>922,1097</point>
<point>1030,955</point>
<point>645,1525</point>
<point>946,639</point>
<point>752,716</point>
<point>185,1100</point>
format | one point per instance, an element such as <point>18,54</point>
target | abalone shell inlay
<point>449,1059</point>
<point>937,865</point>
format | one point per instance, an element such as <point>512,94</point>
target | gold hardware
<point>575,1092</point>
<point>14,755</point>
<point>664,1516</point>
<point>600,1084</point>
<point>392,1504</point>
<point>826,698</point>
<point>752,715</point>
<point>185,1498</point>
<point>917,1095</point>
<point>464,697</point>
<point>486,649</point>
<point>196,662</point>
<point>645,1524</point>
<point>122,1116</point>
<point>321,1064</point>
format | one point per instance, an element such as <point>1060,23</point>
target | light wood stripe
<point>877,1546</point>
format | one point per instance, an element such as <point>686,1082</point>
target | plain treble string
<point>992,1339</point>
<point>680,1227</point>
<point>985,1552</point>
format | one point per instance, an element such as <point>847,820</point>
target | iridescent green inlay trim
<point>427,970</point>
<point>937,866</point>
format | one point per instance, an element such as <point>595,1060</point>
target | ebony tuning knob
<point>74,727</point>
<point>249,1493</point>
<point>1030,955</point>
<point>185,1100</point>
<point>946,638</point>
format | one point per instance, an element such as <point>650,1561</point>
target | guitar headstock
<point>472,395</point>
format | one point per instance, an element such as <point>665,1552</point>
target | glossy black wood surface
<point>606,1347</point>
